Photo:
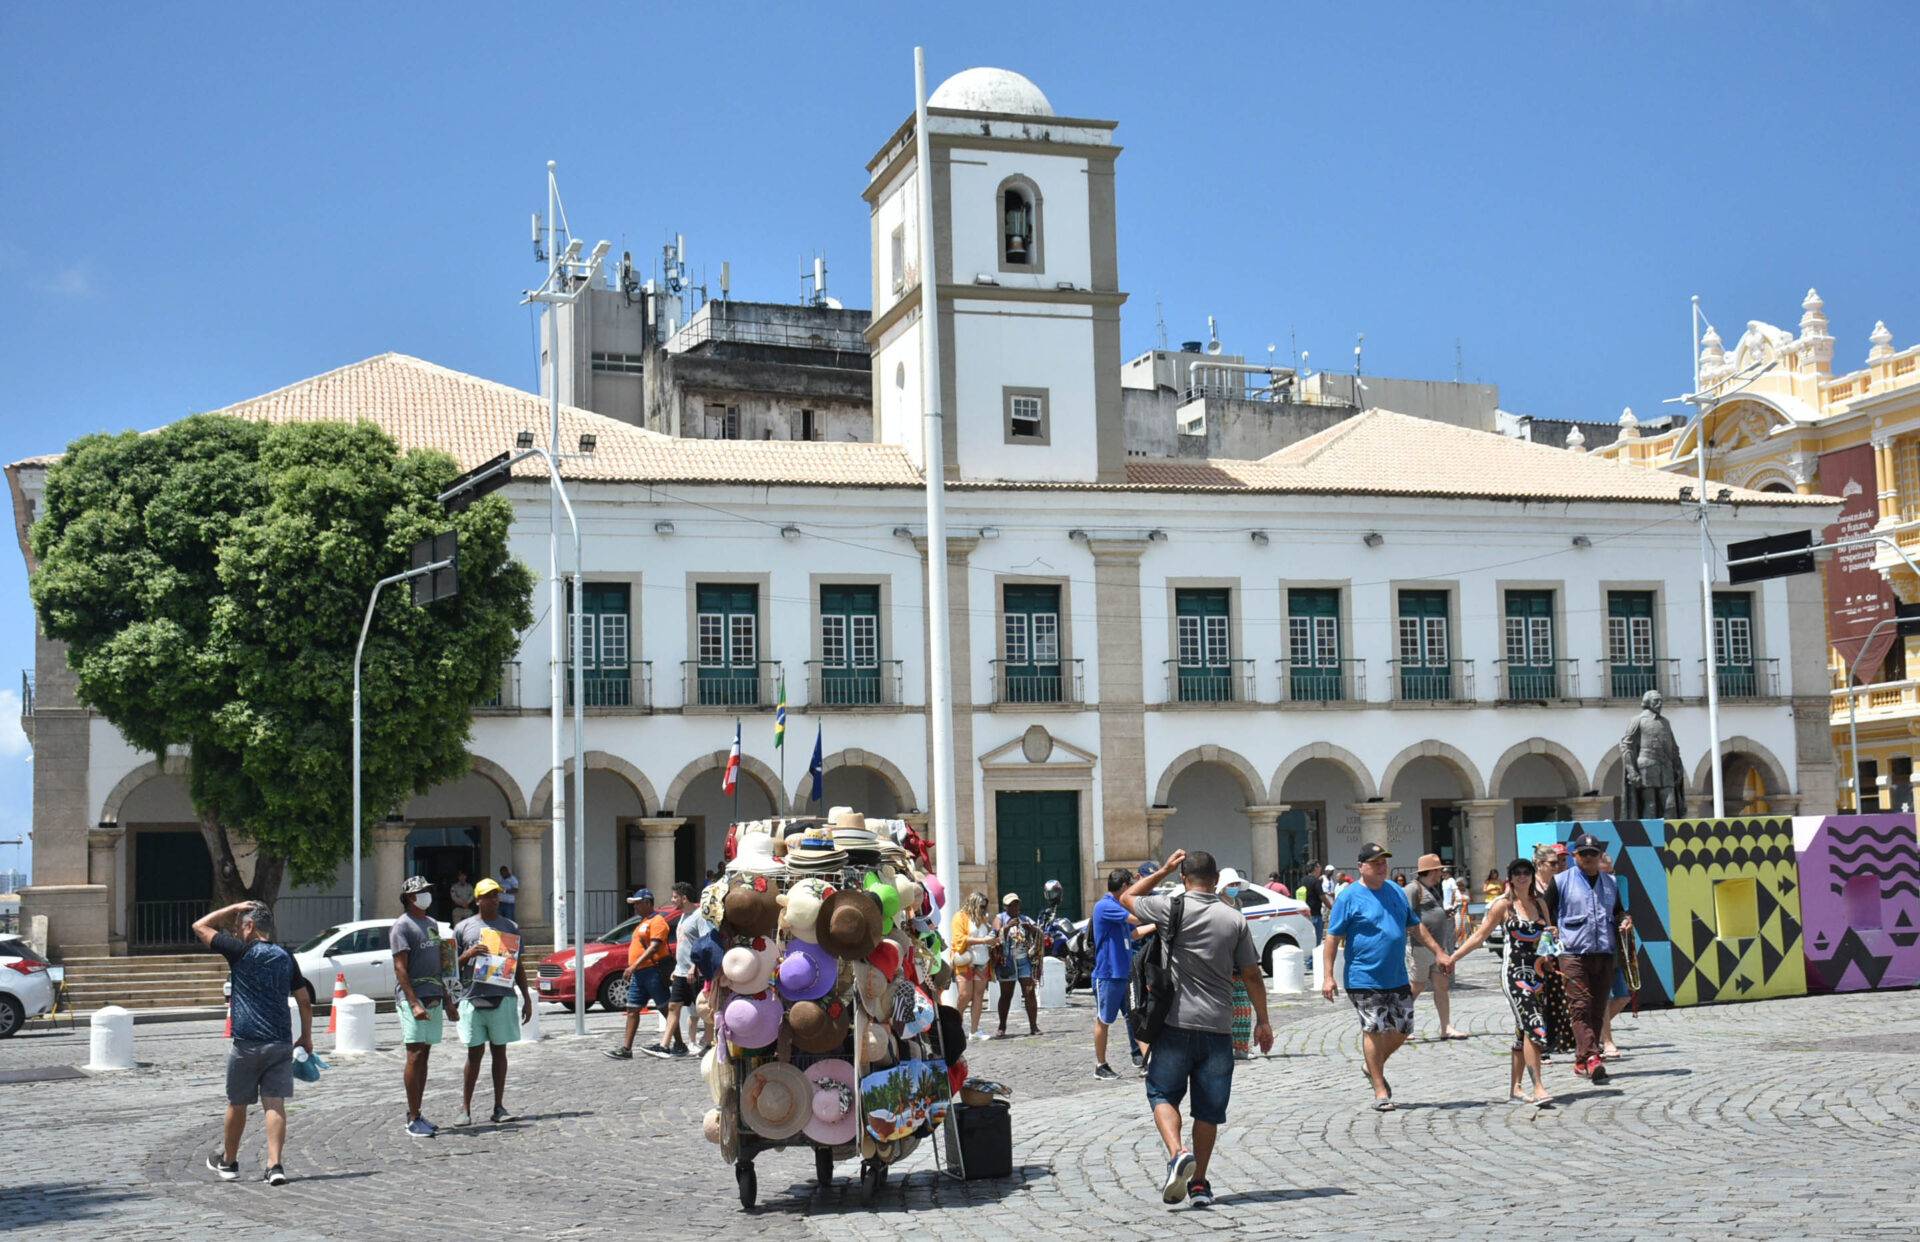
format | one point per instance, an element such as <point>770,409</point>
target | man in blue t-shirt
<point>1114,933</point>
<point>261,976</point>
<point>1372,918</point>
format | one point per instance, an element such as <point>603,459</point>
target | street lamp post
<point>1853,727</point>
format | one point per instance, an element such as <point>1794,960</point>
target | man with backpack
<point>1183,1001</point>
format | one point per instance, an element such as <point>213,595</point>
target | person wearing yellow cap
<point>489,947</point>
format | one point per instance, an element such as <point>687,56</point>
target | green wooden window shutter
<point>1204,640</point>
<point>604,627</point>
<point>1426,668</point>
<point>1531,671</point>
<point>850,645</point>
<point>1313,644</point>
<point>1733,643</point>
<point>1631,653</point>
<point>1030,644</point>
<point>727,638</point>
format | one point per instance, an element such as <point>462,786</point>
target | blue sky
<point>204,204</point>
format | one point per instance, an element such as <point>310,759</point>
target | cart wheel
<point>749,1184</point>
<point>823,1166</point>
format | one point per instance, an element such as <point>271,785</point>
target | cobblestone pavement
<point>1795,1118</point>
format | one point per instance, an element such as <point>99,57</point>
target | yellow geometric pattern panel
<point>1733,909</point>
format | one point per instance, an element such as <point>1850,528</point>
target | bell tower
<point>1028,285</point>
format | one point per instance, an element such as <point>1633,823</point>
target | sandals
<point>1384,1106</point>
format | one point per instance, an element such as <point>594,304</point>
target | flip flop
<point>1383,1106</point>
<point>1542,1102</point>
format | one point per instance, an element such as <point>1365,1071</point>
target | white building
<point>1396,629</point>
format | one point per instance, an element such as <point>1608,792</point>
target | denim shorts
<point>649,983</point>
<point>1200,1059</point>
<point>1109,999</point>
<point>1619,990</point>
<point>1012,969</point>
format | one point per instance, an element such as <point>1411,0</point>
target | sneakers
<point>500,1114</point>
<point>275,1176</point>
<point>229,1170</point>
<point>1179,1173</point>
<point>1580,1068</point>
<point>658,1050</point>
<point>1104,1073</point>
<point>1139,1062</point>
<point>465,1118</point>
<point>420,1127</point>
<point>679,1050</point>
<point>1200,1193</point>
<point>620,1054</point>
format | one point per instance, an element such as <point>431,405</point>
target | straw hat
<point>748,968</point>
<point>846,817</point>
<point>752,1021</point>
<point>752,908</point>
<point>776,1101</point>
<point>807,972</point>
<point>880,1051</point>
<point>875,991</point>
<point>723,1127</point>
<point>754,854</point>
<point>836,1103</point>
<point>803,907</point>
<point>821,1026</point>
<point>848,925</point>
<point>718,1071</point>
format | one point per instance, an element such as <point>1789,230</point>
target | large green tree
<point>209,580</point>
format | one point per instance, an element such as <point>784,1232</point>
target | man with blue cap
<point>646,975</point>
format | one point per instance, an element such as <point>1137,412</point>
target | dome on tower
<point>990,90</point>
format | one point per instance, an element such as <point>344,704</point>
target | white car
<point>28,985</point>
<point>1275,919</point>
<point>362,951</point>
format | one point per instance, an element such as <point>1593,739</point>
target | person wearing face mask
<point>422,961</point>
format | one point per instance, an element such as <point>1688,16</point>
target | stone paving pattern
<point>1787,1118</point>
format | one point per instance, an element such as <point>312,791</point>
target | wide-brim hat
<point>888,896</point>
<point>849,924</point>
<point>717,1069</point>
<point>1429,862</point>
<point>881,1051</point>
<point>754,853</point>
<point>807,972</point>
<point>846,817</point>
<point>749,968</point>
<point>722,1126</point>
<point>802,903</point>
<point>814,850</point>
<point>821,1026</point>
<point>838,1125</point>
<point>752,908</point>
<point>752,1021</point>
<point>874,990</point>
<point>776,1101</point>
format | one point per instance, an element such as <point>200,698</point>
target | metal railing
<point>301,917</point>
<point>1758,680</point>
<point>605,908</point>
<point>1228,682</point>
<point>1323,681</point>
<point>838,686</point>
<point>1630,681</point>
<point>629,687</point>
<point>732,685</point>
<point>164,924</point>
<point>26,692</point>
<point>1283,393</point>
<point>509,693</point>
<point>1537,682</point>
<point>705,328</point>
<point>1031,683</point>
<point>1451,682</point>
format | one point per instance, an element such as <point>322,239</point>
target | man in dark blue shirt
<point>261,976</point>
<point>1113,935</point>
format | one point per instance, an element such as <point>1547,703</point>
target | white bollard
<point>1289,969</point>
<point>1053,983</point>
<point>530,1029</point>
<point>355,1033</point>
<point>110,1033</point>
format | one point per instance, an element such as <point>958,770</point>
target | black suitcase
<point>986,1139</point>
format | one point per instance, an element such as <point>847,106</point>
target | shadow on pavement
<point>1279,1196</point>
<point>53,1203</point>
<point>333,1177</point>
<point>914,1192</point>
<point>1653,1073</point>
<point>1444,1106</point>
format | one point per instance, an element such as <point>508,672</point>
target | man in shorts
<point>489,946</point>
<point>646,976</point>
<point>683,987</point>
<point>261,975</point>
<point>1113,932</point>
<point>422,962</point>
<point>1372,918</point>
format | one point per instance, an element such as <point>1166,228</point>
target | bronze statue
<point>1655,779</point>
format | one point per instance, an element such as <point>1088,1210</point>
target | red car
<point>606,959</point>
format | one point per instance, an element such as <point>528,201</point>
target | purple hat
<point>807,972</point>
<point>753,1021</point>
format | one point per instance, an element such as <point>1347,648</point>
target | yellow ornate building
<point>1781,420</point>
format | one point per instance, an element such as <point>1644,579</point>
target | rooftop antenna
<point>1359,343</point>
<point>726,280</point>
<point>1293,343</point>
<point>1160,320</point>
<point>539,250</point>
<point>1458,365</point>
<point>1213,336</point>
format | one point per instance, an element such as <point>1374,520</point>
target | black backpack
<point>1150,981</point>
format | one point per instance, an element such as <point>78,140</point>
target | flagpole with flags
<point>780,731</point>
<point>730,779</point>
<point>817,769</point>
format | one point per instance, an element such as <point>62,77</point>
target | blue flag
<point>818,768</point>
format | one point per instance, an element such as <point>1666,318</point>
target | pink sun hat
<point>835,1117</point>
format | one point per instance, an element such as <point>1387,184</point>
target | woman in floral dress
<point>1521,916</point>
<point>1547,862</point>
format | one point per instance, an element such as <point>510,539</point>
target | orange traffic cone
<point>229,1031</point>
<point>339,994</point>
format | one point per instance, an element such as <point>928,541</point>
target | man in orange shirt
<point>646,975</point>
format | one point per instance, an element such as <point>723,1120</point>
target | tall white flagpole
<point>946,834</point>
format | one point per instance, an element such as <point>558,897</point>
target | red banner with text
<point>1858,598</point>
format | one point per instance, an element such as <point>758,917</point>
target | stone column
<point>1482,824</point>
<point>532,911</point>
<point>1783,804</point>
<point>1157,817</point>
<point>389,868</point>
<point>1264,823</point>
<point>1589,809</point>
<point>659,834</point>
<point>103,844</point>
<point>1122,697</point>
<point>1373,827</point>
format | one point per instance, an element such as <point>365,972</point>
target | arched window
<point>1018,203</point>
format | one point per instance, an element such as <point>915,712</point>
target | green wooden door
<point>606,654</point>
<point>1530,666</point>
<point>1203,644</point>
<point>849,645</point>
<point>1733,644</point>
<point>1030,645</point>
<point>1038,839</point>
<point>1630,649</point>
<point>1313,644</point>
<point>728,623</point>
<point>172,886</point>
<point>1426,670</point>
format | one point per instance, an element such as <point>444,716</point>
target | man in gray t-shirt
<point>421,960</point>
<point>1194,1050</point>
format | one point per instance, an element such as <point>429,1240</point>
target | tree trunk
<point>228,885</point>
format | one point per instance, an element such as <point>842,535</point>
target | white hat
<point>1229,877</point>
<point>1009,899</point>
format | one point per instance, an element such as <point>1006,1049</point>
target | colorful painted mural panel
<point>1733,903</point>
<point>1860,894</point>
<point>1636,847</point>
